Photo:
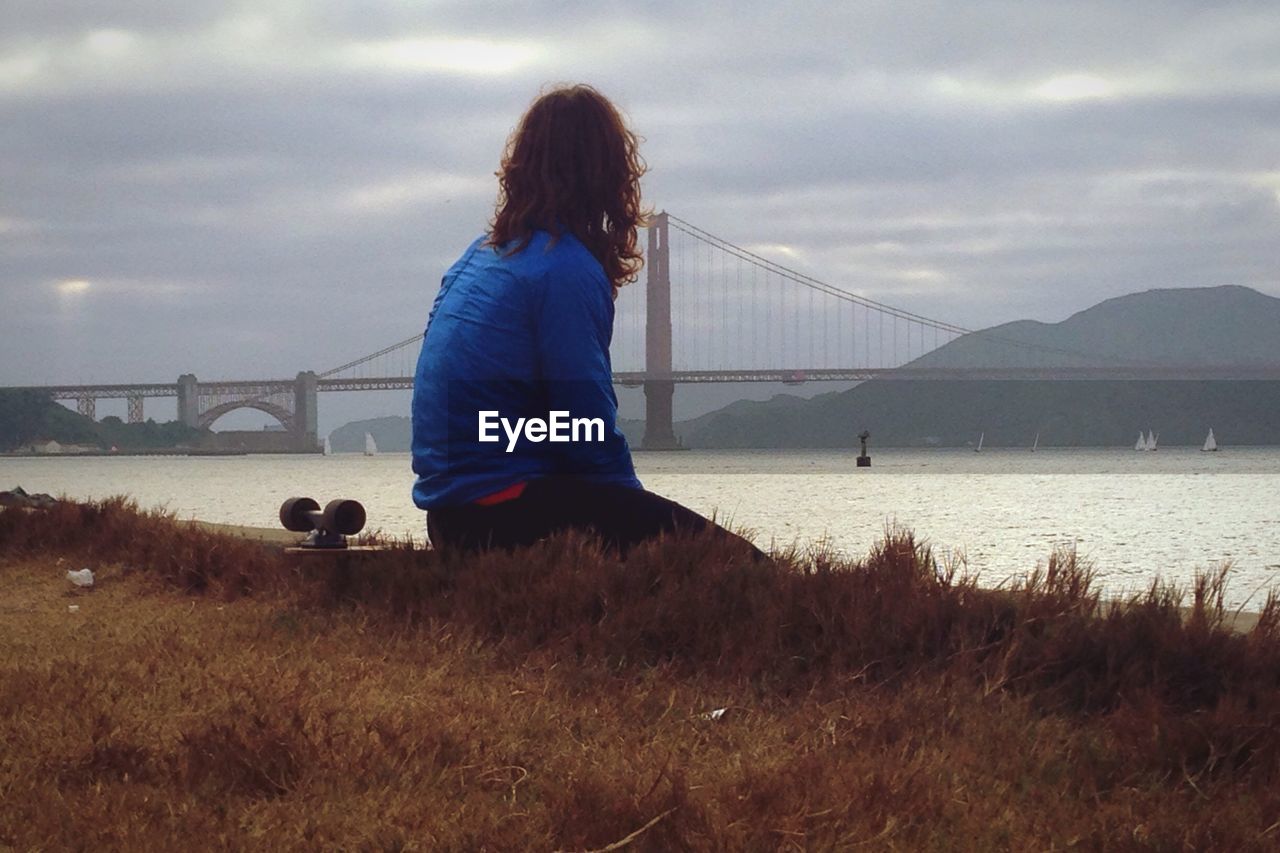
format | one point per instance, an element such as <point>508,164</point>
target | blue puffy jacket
<point>522,334</point>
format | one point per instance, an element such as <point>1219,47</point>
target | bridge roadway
<point>250,387</point>
<point>632,379</point>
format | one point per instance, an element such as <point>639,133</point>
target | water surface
<point>1134,515</point>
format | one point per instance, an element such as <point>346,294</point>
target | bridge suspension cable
<point>883,309</point>
<point>807,280</point>
<point>350,365</point>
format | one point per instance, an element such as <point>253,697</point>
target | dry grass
<point>209,692</point>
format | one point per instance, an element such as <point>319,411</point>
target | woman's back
<point>522,334</point>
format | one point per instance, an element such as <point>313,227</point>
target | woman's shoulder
<point>477,245</point>
<point>564,254</point>
<point>550,257</point>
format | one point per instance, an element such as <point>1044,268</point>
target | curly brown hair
<point>572,164</point>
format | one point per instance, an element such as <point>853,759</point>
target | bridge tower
<point>305,404</point>
<point>659,428</point>
<point>189,400</point>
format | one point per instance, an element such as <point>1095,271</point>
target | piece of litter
<point>714,715</point>
<point>73,608</point>
<point>84,577</point>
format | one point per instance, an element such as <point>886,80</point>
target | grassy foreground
<point>210,693</point>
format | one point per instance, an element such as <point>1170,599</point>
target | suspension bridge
<point>709,311</point>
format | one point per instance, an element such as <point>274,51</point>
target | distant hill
<point>699,398</point>
<point>27,416</point>
<point>1188,326</point>
<point>391,434</point>
<point>1197,326</point>
<point>953,414</point>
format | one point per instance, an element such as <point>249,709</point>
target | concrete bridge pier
<point>305,404</point>
<point>189,400</point>
<point>659,426</point>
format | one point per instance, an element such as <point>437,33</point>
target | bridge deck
<point>635,378</point>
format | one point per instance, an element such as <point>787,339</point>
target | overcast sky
<point>252,189</point>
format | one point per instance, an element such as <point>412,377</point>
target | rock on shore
<point>19,498</point>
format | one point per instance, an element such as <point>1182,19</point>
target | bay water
<point>1133,515</point>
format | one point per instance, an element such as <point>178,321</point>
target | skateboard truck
<point>328,528</point>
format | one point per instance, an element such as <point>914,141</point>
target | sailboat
<point>1035,443</point>
<point>370,447</point>
<point>328,446</point>
<point>978,449</point>
<point>1142,442</point>
<point>1210,444</point>
<point>1152,438</point>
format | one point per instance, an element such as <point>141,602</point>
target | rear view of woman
<point>518,341</point>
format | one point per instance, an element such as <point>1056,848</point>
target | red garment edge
<point>510,493</point>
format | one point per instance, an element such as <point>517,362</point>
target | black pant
<point>620,516</point>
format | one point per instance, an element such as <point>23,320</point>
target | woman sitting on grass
<point>518,343</point>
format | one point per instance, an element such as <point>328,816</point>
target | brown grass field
<point>211,692</point>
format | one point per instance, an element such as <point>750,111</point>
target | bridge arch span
<point>281,414</point>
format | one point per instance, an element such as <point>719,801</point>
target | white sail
<point>370,448</point>
<point>1210,443</point>
<point>1142,442</point>
<point>1152,438</point>
<point>1035,443</point>
<point>981,436</point>
<point>328,446</point>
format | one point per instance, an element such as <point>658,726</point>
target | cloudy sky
<point>252,189</point>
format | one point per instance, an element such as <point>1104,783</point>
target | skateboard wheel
<point>295,514</point>
<point>345,517</point>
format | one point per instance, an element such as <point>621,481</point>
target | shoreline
<point>159,451</point>
<point>1239,621</point>
<point>658,451</point>
<point>266,535</point>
